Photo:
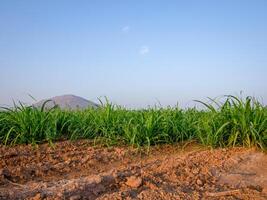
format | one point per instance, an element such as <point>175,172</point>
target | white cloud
<point>125,29</point>
<point>144,50</point>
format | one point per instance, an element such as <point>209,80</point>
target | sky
<point>136,53</point>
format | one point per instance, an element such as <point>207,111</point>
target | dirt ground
<point>78,170</point>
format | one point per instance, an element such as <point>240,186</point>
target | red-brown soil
<point>78,170</point>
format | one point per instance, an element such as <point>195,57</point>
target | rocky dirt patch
<point>77,170</point>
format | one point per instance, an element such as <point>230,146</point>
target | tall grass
<point>233,122</point>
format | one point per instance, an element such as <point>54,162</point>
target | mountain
<point>69,102</point>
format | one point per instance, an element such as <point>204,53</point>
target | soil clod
<point>134,182</point>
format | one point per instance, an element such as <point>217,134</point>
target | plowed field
<point>80,170</point>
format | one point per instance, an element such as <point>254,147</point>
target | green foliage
<point>234,122</point>
<point>230,123</point>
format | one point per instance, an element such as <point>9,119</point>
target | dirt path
<point>80,171</point>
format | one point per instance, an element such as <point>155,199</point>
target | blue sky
<point>134,52</point>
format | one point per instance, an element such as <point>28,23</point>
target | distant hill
<point>70,102</point>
